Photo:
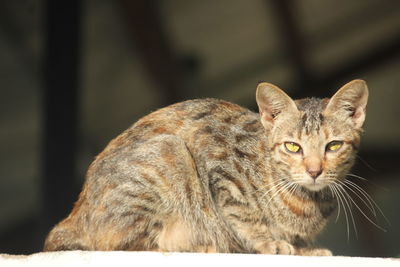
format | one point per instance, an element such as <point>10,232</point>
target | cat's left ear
<point>350,102</point>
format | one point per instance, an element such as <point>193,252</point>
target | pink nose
<point>314,173</point>
<point>313,166</point>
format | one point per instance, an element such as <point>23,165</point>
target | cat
<point>207,175</point>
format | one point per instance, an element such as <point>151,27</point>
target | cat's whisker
<point>367,181</point>
<point>336,190</point>
<point>294,189</point>
<point>360,194</point>
<point>366,163</point>
<point>291,189</point>
<point>357,176</point>
<point>277,192</point>
<point>349,201</point>
<point>283,188</point>
<point>337,200</point>
<point>272,186</point>
<point>369,199</point>
<point>330,180</point>
<point>362,212</point>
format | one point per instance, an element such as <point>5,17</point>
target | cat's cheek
<point>338,164</point>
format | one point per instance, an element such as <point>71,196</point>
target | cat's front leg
<point>259,234</point>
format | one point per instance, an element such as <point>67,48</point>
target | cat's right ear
<point>272,103</point>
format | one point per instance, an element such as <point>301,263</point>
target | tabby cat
<point>210,176</point>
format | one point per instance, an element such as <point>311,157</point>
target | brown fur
<point>211,176</point>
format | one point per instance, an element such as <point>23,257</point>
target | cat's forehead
<point>311,123</point>
<point>312,104</point>
<point>311,113</point>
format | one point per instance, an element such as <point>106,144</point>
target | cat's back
<point>189,120</point>
<point>190,115</point>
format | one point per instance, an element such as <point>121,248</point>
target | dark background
<point>74,74</point>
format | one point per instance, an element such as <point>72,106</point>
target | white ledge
<point>144,259</point>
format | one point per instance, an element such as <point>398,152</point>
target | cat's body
<point>211,176</point>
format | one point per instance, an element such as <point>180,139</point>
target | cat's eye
<point>292,147</point>
<point>334,145</point>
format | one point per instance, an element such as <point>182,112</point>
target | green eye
<point>334,145</point>
<point>292,147</point>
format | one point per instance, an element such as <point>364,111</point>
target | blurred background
<point>74,74</point>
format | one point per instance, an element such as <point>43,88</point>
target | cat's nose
<point>314,173</point>
<point>313,167</point>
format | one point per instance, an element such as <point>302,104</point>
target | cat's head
<point>313,141</point>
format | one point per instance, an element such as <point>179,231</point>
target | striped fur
<point>211,176</point>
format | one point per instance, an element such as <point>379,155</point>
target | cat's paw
<point>321,252</point>
<point>205,249</point>
<point>315,252</point>
<point>276,247</point>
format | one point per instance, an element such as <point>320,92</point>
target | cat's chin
<point>313,185</point>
